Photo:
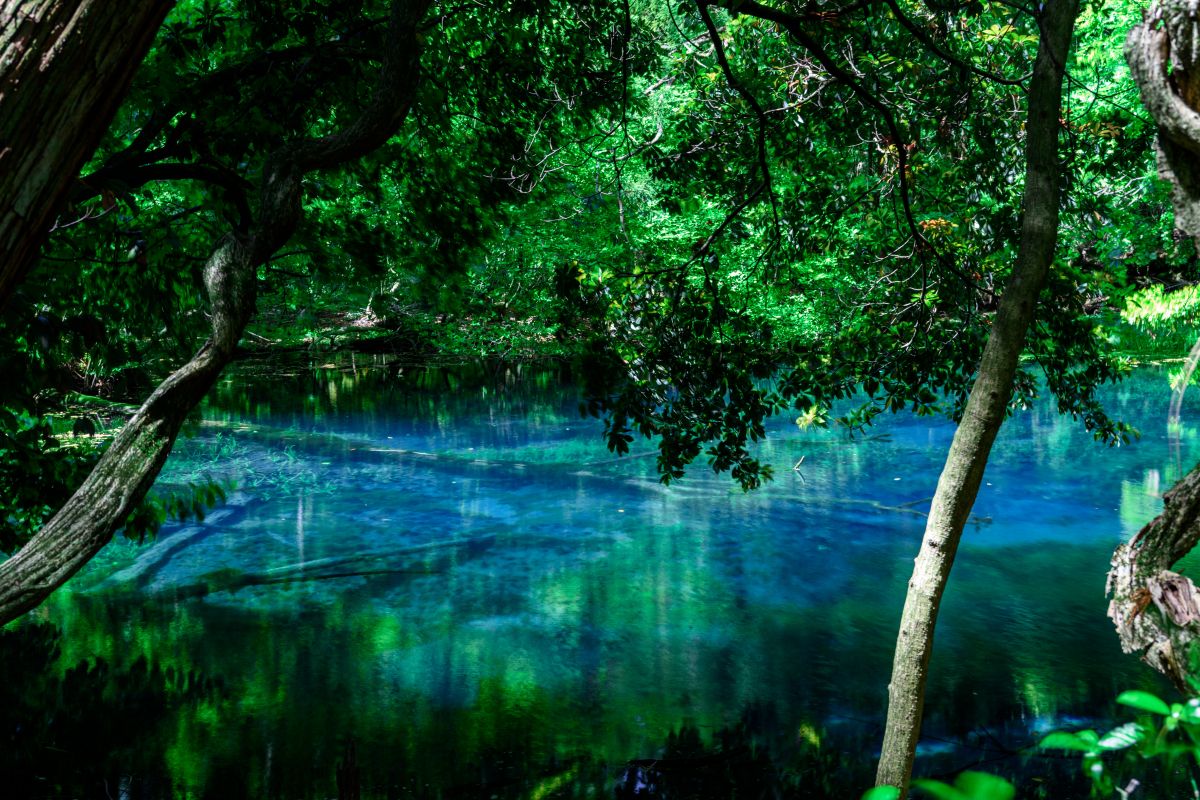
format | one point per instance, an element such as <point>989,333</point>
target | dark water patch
<point>81,729</point>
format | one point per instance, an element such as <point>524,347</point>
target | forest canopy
<point>595,160</point>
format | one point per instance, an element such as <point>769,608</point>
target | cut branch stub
<point>1157,611</point>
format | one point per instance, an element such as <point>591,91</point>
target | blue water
<point>454,573</point>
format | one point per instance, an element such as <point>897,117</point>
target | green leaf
<point>969,786</point>
<point>1144,701</point>
<point>882,793</point>
<point>985,786</point>
<point>1064,740</point>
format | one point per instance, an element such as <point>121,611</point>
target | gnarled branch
<point>1152,607</point>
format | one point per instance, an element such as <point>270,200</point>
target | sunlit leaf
<point>984,786</point>
<point>882,793</point>
<point>1143,701</point>
<point>1127,735</point>
<point>1064,740</point>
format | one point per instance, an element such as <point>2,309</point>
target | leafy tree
<point>125,472</point>
<point>208,119</point>
<point>684,357</point>
<point>988,402</point>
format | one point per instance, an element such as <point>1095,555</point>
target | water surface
<point>447,569</point>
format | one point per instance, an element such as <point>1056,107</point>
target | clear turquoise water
<point>537,612</point>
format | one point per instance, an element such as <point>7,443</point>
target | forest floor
<point>423,334</point>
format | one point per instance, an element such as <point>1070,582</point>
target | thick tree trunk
<point>128,468</point>
<point>986,407</point>
<point>65,66</point>
<point>1157,611</point>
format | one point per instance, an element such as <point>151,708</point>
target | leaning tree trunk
<point>129,466</point>
<point>987,404</point>
<point>65,67</point>
<point>1157,611</point>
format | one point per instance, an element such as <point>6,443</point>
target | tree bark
<point>1157,611</point>
<point>65,66</point>
<point>132,461</point>
<point>1154,609</point>
<point>987,405</point>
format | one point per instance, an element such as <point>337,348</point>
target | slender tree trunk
<point>988,402</point>
<point>1155,610</point>
<point>129,466</point>
<point>65,67</point>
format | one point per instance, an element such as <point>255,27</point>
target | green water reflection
<point>529,614</point>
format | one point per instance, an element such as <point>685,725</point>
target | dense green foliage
<point>859,272</point>
<point>119,296</point>
<point>722,219</point>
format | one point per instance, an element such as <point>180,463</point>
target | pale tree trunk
<point>1157,611</point>
<point>65,66</point>
<point>129,466</point>
<point>987,404</point>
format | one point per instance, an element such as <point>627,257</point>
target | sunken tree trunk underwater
<point>1154,609</point>
<point>65,67</point>
<point>988,402</point>
<point>126,471</point>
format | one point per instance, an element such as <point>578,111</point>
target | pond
<point>438,583</point>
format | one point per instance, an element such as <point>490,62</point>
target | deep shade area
<point>437,582</point>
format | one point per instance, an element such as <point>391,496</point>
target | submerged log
<point>427,558</point>
<point>158,555</point>
<point>413,560</point>
<point>903,508</point>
